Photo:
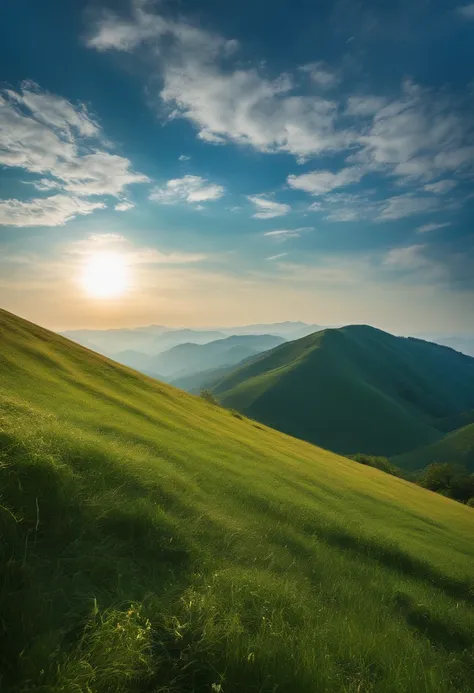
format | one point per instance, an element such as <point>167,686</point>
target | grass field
<point>354,389</point>
<point>152,542</point>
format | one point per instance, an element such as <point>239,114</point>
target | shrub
<point>209,397</point>
<point>448,479</point>
<point>378,462</point>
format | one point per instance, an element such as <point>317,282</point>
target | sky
<point>203,163</point>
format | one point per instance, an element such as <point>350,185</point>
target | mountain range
<point>154,339</point>
<point>184,360</point>
<point>354,389</point>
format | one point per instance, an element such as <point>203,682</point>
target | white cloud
<point>47,211</point>
<point>151,256</point>
<point>44,184</point>
<point>54,111</point>
<point>188,189</point>
<point>284,234</point>
<point>344,215</point>
<point>321,74</point>
<point>124,206</point>
<point>45,134</point>
<point>111,32</point>
<point>466,11</point>
<point>320,182</point>
<point>243,107</point>
<point>407,205</point>
<point>364,105</point>
<point>268,209</point>
<point>112,242</point>
<point>419,135</point>
<point>100,173</point>
<point>342,207</point>
<point>184,157</point>
<point>236,105</point>
<point>276,257</point>
<point>409,257</point>
<point>441,187</point>
<point>426,228</point>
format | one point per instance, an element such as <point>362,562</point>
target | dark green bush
<point>449,479</point>
<point>378,462</point>
<point>209,397</point>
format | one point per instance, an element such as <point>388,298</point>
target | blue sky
<point>250,161</point>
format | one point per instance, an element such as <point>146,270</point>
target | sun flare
<point>105,275</point>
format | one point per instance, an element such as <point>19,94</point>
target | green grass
<point>456,447</point>
<point>152,542</point>
<point>354,390</point>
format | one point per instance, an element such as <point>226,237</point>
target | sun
<point>105,275</point>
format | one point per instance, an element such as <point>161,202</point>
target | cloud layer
<point>190,189</point>
<point>47,135</point>
<point>48,211</point>
<point>418,134</point>
<point>268,209</point>
<point>418,137</point>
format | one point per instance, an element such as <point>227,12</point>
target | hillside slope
<point>153,542</point>
<point>456,447</point>
<point>354,389</point>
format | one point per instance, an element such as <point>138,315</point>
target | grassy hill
<point>354,389</point>
<point>456,447</point>
<point>152,542</point>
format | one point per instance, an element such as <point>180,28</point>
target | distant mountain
<point>456,447</point>
<point>148,340</point>
<point>288,330</point>
<point>136,359</point>
<point>186,359</point>
<point>154,339</point>
<point>354,389</point>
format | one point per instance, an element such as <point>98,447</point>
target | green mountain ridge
<point>457,447</point>
<point>152,542</point>
<point>354,389</point>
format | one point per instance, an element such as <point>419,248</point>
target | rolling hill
<point>354,389</point>
<point>187,359</point>
<point>456,447</point>
<point>152,542</point>
<point>190,360</point>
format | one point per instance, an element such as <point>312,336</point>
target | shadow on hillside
<point>76,530</point>
<point>396,559</point>
<point>440,634</point>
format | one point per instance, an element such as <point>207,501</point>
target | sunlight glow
<point>105,275</point>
